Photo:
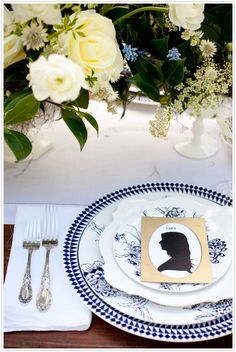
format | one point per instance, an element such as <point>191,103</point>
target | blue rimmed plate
<point>84,267</point>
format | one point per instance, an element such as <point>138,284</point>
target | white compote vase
<point>200,145</point>
<point>40,146</point>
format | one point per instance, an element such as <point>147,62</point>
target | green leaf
<point>21,109</point>
<point>210,33</point>
<point>211,28</point>
<point>106,8</point>
<point>143,64</point>
<point>83,99</point>
<point>19,144</point>
<point>11,101</point>
<point>90,119</point>
<point>117,12</point>
<point>187,52</point>
<point>134,37</point>
<point>173,71</point>
<point>227,27</point>
<point>159,47</point>
<point>76,125</point>
<point>220,10</point>
<point>145,30</point>
<point>220,19</point>
<point>121,86</point>
<point>146,84</point>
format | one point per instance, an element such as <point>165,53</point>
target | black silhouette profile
<point>177,247</point>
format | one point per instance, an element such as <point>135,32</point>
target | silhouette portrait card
<point>174,250</point>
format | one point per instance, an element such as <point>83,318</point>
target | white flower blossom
<point>48,13</point>
<point>207,48</point>
<point>58,78</point>
<point>160,126</point>
<point>187,16</point>
<point>34,36</point>
<point>9,25</point>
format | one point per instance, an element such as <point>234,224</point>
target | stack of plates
<point>102,261</point>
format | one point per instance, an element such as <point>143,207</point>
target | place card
<point>174,250</point>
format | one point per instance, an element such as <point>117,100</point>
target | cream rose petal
<point>96,51</point>
<point>13,50</point>
<point>93,22</point>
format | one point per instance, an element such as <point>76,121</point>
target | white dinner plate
<point>84,266</point>
<point>127,239</point>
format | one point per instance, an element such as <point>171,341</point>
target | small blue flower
<point>141,53</point>
<point>173,54</point>
<point>131,54</point>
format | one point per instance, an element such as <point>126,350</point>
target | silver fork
<point>49,241</point>
<point>31,242</point>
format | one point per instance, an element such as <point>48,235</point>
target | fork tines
<point>32,235</point>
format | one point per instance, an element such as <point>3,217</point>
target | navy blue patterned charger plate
<point>211,329</point>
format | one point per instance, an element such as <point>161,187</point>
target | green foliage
<point>76,125</point>
<point>116,12</point>
<point>143,64</point>
<point>19,144</point>
<point>83,99</point>
<point>159,47</point>
<point>20,107</point>
<point>173,71</point>
<point>90,119</point>
<point>122,88</point>
<point>187,53</point>
<point>147,85</point>
<point>223,15</point>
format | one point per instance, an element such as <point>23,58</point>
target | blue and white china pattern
<point>217,250</point>
<point>212,310</point>
<point>127,248</point>
<point>79,264</point>
<point>94,275</point>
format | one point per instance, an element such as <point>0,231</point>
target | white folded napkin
<point>67,311</point>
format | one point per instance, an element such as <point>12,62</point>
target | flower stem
<point>141,9</point>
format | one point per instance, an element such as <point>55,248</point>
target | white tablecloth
<point>124,154</point>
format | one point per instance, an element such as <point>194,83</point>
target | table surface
<point>124,154</point>
<point>99,335</point>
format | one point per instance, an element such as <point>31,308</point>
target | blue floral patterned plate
<point>127,242</point>
<point>84,266</point>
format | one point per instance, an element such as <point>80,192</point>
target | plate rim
<point>214,328</point>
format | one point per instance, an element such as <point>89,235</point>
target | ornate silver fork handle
<point>31,243</point>
<point>44,298</point>
<point>25,294</point>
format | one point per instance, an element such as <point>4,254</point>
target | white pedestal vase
<point>40,146</point>
<point>200,145</point>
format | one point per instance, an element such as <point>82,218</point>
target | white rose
<point>13,50</point>
<point>58,78</point>
<point>187,16</point>
<point>93,22</point>
<point>98,53</point>
<point>49,14</point>
<point>9,26</point>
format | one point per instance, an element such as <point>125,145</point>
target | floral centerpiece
<point>58,56</point>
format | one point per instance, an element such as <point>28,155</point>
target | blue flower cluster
<point>130,54</point>
<point>173,54</point>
